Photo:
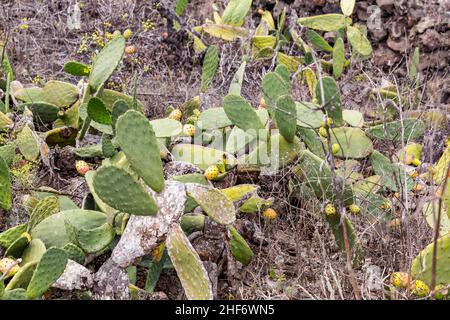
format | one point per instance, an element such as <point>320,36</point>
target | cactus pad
<point>95,240</point>
<point>210,64</point>
<point>166,128</point>
<point>7,237</point>
<point>241,113</point>
<point>97,111</point>
<point>28,143</point>
<point>200,156</point>
<point>239,248</point>
<point>353,142</point>
<point>189,267</point>
<point>49,269</point>
<point>77,69</point>
<point>214,202</point>
<point>393,175</point>
<point>22,278</point>
<point>117,188</point>
<point>43,209</point>
<point>392,131</point>
<point>33,252</point>
<point>331,99</point>
<point>286,117</point>
<point>59,93</point>
<point>138,141</point>
<point>5,186</point>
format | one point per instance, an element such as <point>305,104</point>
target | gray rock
<point>75,277</point>
<point>111,282</point>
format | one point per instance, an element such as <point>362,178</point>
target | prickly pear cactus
<point>210,64</point>
<point>33,252</point>
<point>353,142</point>
<point>137,139</point>
<point>28,143</point>
<point>43,209</point>
<point>329,96</point>
<point>393,175</point>
<point>421,267</point>
<point>7,237</point>
<point>239,247</point>
<point>49,269</point>
<point>120,190</point>
<point>286,117</point>
<point>189,267</point>
<point>241,113</point>
<point>5,186</point>
<point>96,239</point>
<point>406,130</point>
<point>215,203</point>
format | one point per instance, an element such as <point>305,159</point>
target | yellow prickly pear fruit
<point>414,174</point>
<point>130,50</point>
<point>395,223</point>
<point>416,162</point>
<point>323,132</point>
<point>386,205</point>
<point>329,121</point>
<point>400,279</point>
<point>335,148</point>
<point>353,208</point>
<point>9,266</point>
<point>330,210</point>
<point>212,172</point>
<point>270,214</point>
<point>127,34</point>
<point>420,289</point>
<point>176,115</point>
<point>189,130</point>
<point>82,167</point>
<point>419,187</point>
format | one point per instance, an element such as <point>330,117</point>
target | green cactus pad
<point>95,240</point>
<point>213,118</point>
<point>16,249</point>
<point>235,12</point>
<point>353,142</point>
<point>353,118</point>
<point>89,152</point>
<point>137,140</point>
<point>5,186</point>
<point>119,108</point>
<point>332,99</point>
<point>77,69</point>
<point>75,253</point>
<point>154,272</point>
<point>7,237</point>
<point>238,78</point>
<point>49,269</point>
<point>210,64</point>
<point>52,230</point>
<point>108,148</point>
<point>393,175</point>
<point>89,176</point>
<point>42,111</point>
<point>240,249</point>
<point>33,252</point>
<point>241,113</point>
<point>237,140</point>
<point>338,58</point>
<point>309,115</point>
<point>318,41</point>
<point>200,156</point>
<point>97,111</point>
<point>23,277</point>
<point>15,294</point>
<point>189,267</point>
<point>421,267</point>
<point>31,94</point>
<point>338,231</point>
<point>214,202</point>
<point>28,143</point>
<point>430,211</point>
<point>282,153</point>
<point>106,62</point>
<point>325,22</point>
<point>166,128</point>
<point>318,176</point>
<point>253,204</point>
<point>392,131</point>
<point>371,184</point>
<point>43,209</point>
<point>8,152</point>
<point>191,223</point>
<point>117,188</point>
<point>62,136</point>
<point>286,117</point>
<point>359,41</point>
<point>274,86</point>
<point>61,94</point>
<point>5,121</point>
<point>110,97</point>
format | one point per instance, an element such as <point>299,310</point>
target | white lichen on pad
<point>214,202</point>
<point>143,233</point>
<point>111,282</point>
<point>75,277</point>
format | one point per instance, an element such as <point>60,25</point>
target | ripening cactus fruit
<point>354,209</point>
<point>416,162</point>
<point>127,34</point>
<point>270,214</point>
<point>386,205</point>
<point>176,115</point>
<point>82,167</point>
<point>212,172</point>
<point>329,122</point>
<point>419,187</point>
<point>400,279</point>
<point>414,174</point>
<point>189,130</point>
<point>323,132</point>
<point>130,50</point>
<point>420,289</point>
<point>335,148</point>
<point>395,223</point>
<point>330,210</point>
<point>9,266</point>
